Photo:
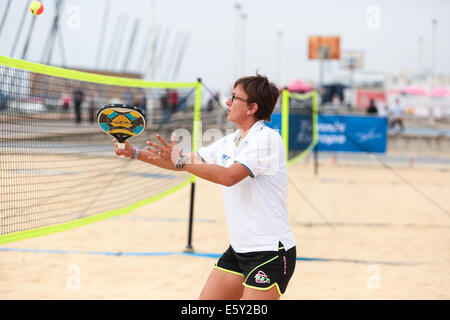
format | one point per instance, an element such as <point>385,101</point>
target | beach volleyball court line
<point>207,255</point>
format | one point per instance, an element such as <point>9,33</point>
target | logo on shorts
<point>261,277</point>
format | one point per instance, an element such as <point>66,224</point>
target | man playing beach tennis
<point>250,164</point>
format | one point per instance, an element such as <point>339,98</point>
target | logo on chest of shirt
<point>226,160</point>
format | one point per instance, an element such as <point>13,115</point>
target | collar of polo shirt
<point>257,126</point>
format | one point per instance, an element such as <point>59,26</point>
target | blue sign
<point>336,133</point>
<point>352,133</point>
<point>300,130</point>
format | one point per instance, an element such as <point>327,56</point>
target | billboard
<point>325,47</point>
<point>352,133</point>
<point>337,133</point>
<point>351,60</point>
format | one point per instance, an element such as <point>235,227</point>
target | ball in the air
<point>36,8</point>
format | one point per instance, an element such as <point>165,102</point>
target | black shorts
<point>261,270</point>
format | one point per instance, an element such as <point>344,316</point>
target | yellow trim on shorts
<point>264,289</point>
<point>229,271</point>
<point>270,260</point>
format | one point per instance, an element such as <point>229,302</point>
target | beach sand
<point>382,234</point>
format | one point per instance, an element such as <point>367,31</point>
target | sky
<point>221,46</point>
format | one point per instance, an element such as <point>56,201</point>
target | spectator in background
<point>78,98</point>
<point>92,106</point>
<point>166,111</point>
<point>141,103</point>
<point>372,110</point>
<point>211,102</point>
<point>2,101</point>
<point>381,105</point>
<point>210,105</point>
<point>336,101</point>
<point>174,101</point>
<point>66,100</point>
<point>127,97</point>
<point>396,115</point>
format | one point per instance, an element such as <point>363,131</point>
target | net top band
<point>90,77</point>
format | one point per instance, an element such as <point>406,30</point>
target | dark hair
<point>262,92</point>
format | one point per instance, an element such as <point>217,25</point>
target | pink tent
<point>299,86</point>
<point>440,92</point>
<point>414,91</point>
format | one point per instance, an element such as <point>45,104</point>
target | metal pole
<point>433,53</point>
<point>352,71</point>
<point>27,42</point>
<point>109,57</point>
<point>180,57</point>
<point>160,54</point>
<point>280,57</point>
<point>61,48</point>
<point>143,53</point>
<point>151,43</point>
<point>189,247</point>
<point>55,29</point>
<point>5,13</point>
<point>19,32</point>
<point>102,35</point>
<point>117,50</point>
<point>420,69</point>
<point>244,18</point>
<point>237,34</point>
<point>322,50</point>
<point>150,51</point>
<point>176,46</point>
<point>195,137</point>
<point>433,69</point>
<point>54,34</point>
<point>130,46</point>
<point>157,43</point>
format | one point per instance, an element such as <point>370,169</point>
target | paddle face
<point>121,121</point>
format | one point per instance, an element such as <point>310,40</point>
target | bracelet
<point>182,161</point>
<point>136,154</point>
<point>177,162</point>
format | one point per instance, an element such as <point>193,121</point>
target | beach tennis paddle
<point>121,121</point>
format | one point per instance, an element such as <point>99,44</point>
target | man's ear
<point>252,108</point>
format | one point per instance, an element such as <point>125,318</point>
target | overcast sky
<point>387,32</point>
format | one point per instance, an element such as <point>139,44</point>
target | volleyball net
<point>295,117</point>
<point>57,169</point>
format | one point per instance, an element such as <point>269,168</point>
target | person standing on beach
<point>250,165</point>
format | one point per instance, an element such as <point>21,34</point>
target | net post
<point>195,135</point>
<point>285,119</point>
<point>315,132</point>
<point>189,247</point>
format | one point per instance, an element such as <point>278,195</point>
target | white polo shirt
<point>256,207</point>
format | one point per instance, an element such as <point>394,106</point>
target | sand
<point>385,234</point>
